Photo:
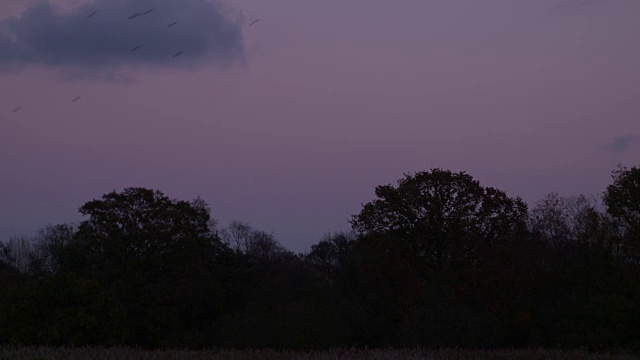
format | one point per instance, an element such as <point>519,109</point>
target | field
<point>343,354</point>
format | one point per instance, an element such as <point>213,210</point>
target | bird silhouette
<point>136,48</point>
<point>254,21</point>
<point>93,13</point>
<point>148,11</point>
<point>76,99</point>
<point>178,54</point>
<point>172,24</point>
<point>133,16</point>
<point>17,109</point>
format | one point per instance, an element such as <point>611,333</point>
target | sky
<point>290,123</point>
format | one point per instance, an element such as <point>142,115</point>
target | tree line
<point>437,260</point>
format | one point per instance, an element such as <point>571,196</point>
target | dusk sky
<point>290,123</point>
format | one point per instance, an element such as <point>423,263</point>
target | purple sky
<point>322,101</point>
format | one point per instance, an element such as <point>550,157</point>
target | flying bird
<point>178,54</point>
<point>17,109</point>
<point>254,21</point>
<point>76,99</point>
<point>136,48</point>
<point>93,13</point>
<point>172,24</point>
<point>134,16</point>
<point>148,11</point>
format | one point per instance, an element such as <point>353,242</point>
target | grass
<point>96,353</point>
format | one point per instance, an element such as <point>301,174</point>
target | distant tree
<point>622,199</point>
<point>255,244</point>
<point>331,254</point>
<point>272,296</point>
<point>237,235</point>
<point>559,220</point>
<point>57,249</point>
<point>440,216</point>
<point>550,219</point>
<point>19,251</point>
<point>5,255</point>
<point>7,262</point>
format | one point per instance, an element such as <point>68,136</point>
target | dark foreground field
<point>41,353</point>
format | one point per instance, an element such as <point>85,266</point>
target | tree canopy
<point>623,198</point>
<point>437,260</point>
<point>440,215</point>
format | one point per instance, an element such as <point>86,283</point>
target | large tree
<point>441,216</point>
<point>157,257</point>
<point>144,225</point>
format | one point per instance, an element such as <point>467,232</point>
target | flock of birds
<point>131,17</point>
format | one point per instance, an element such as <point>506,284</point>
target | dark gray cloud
<point>100,35</point>
<point>620,144</point>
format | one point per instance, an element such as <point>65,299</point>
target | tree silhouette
<point>58,250</point>
<point>623,203</point>
<point>256,244</point>
<point>157,255</point>
<point>440,216</point>
<point>435,261</point>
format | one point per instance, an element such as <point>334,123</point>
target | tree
<point>144,226</point>
<point>331,254</point>
<point>440,216</point>
<point>622,199</point>
<point>157,257</point>
<point>7,264</point>
<point>57,249</point>
<point>237,235</point>
<point>550,219</point>
<point>255,244</point>
<point>576,219</point>
<point>19,251</point>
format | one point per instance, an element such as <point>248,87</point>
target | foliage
<point>255,244</point>
<point>623,203</point>
<point>141,227</point>
<point>436,261</point>
<point>443,217</point>
<point>58,250</point>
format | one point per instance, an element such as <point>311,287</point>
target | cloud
<point>620,144</point>
<point>206,31</point>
